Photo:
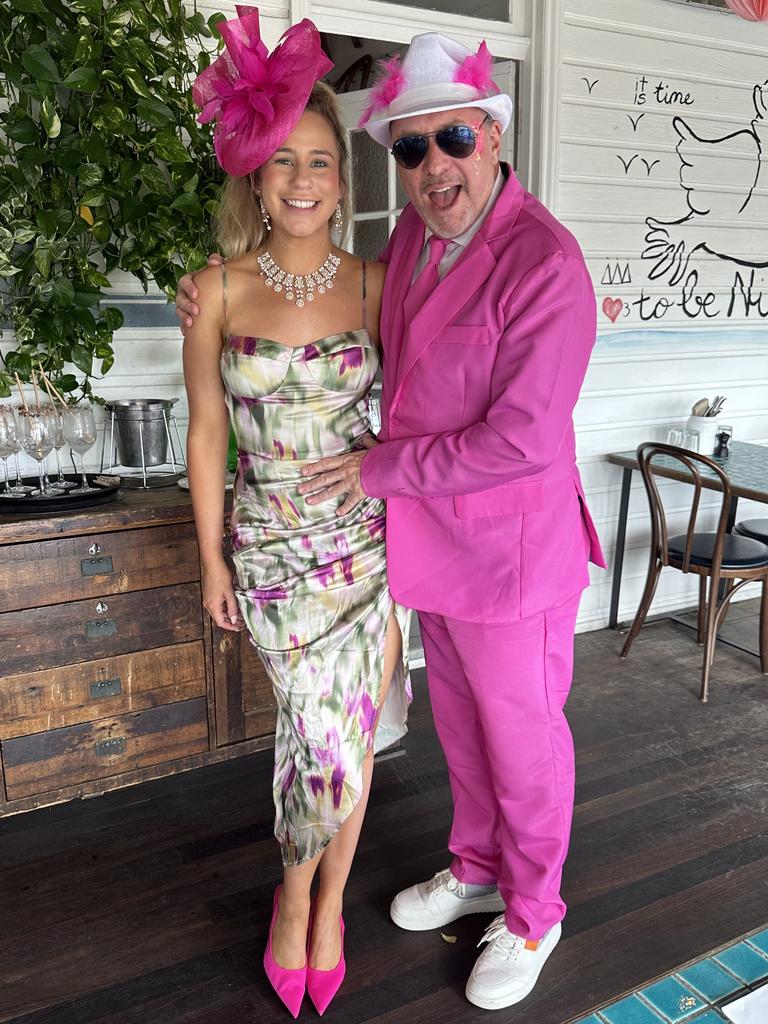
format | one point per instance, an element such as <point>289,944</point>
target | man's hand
<point>339,474</point>
<point>187,293</point>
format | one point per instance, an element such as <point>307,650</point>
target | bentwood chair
<point>713,557</point>
<point>757,529</point>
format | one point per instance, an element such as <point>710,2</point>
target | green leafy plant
<point>102,167</point>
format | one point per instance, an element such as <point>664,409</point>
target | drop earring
<point>264,213</point>
<point>338,221</point>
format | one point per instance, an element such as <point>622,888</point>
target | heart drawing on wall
<point>612,308</point>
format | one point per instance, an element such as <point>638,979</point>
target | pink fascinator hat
<point>438,73</point>
<point>256,97</point>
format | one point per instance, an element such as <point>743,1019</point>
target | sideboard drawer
<point>59,758</point>
<point>40,638</point>
<point>70,568</point>
<point>36,701</point>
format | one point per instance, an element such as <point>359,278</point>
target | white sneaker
<point>439,901</point>
<point>507,970</point>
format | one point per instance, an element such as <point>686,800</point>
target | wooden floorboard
<point>150,905</point>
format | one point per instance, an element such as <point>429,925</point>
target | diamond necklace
<point>298,287</point>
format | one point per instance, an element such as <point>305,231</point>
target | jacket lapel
<point>462,281</point>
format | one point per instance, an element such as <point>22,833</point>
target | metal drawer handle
<point>94,549</point>
<point>108,748</point>
<point>97,628</point>
<point>96,566</point>
<point>106,688</point>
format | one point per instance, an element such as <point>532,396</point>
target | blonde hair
<point>239,225</point>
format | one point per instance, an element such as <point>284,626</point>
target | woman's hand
<point>219,598</point>
<point>186,307</point>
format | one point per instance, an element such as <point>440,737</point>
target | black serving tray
<point>105,489</point>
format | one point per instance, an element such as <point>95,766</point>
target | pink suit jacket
<point>486,518</point>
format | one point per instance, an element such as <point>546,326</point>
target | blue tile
<point>629,1011</point>
<point>744,962</point>
<point>710,979</point>
<point>672,999</point>
<point>760,940</point>
<point>710,1017</point>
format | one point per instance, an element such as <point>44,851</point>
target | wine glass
<point>9,440</point>
<point>79,428</point>
<point>36,437</point>
<point>59,484</point>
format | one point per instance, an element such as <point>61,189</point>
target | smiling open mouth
<point>301,204</point>
<point>444,198</point>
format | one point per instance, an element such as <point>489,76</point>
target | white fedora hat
<point>438,73</point>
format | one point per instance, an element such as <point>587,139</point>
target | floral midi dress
<point>312,586</point>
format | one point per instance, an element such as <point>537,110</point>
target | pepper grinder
<point>722,451</point>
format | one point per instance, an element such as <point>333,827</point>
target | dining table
<point>746,466</point>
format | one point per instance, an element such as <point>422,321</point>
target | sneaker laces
<point>444,879</point>
<point>501,940</point>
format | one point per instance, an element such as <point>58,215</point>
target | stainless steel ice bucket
<point>142,425</point>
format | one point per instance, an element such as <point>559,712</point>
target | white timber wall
<point>658,167</point>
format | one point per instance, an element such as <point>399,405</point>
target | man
<point>488,321</point>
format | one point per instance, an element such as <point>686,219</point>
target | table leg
<point>732,509</point>
<point>618,558</point>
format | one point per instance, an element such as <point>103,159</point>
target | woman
<point>285,348</point>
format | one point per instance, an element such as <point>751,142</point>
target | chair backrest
<point>690,463</point>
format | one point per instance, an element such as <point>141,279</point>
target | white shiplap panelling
<point>683,329</point>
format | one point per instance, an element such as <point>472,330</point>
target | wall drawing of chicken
<point>725,180</point>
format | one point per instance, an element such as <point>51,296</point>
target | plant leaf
<point>90,174</point>
<point>137,82</point>
<point>43,257</point>
<point>83,79</point>
<point>95,197</point>
<point>24,131</point>
<point>63,291</point>
<point>91,8</point>
<point>82,357</point>
<point>189,204</point>
<point>49,119</point>
<point>40,64</point>
<point>113,318</point>
<point>30,6</point>
<point>169,147</point>
<point>154,111</point>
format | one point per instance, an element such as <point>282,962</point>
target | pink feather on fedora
<point>257,98</point>
<point>387,88</point>
<point>475,70</point>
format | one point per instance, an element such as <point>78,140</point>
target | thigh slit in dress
<point>312,586</point>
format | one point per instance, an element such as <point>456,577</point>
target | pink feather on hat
<point>388,88</point>
<point>257,98</point>
<point>475,70</point>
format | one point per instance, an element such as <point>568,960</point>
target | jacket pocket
<point>506,499</point>
<point>463,334</point>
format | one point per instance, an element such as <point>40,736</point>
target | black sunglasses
<point>458,141</point>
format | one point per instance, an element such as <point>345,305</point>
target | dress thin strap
<point>365,314</point>
<point>224,282</point>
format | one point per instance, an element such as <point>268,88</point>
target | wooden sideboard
<point>111,672</point>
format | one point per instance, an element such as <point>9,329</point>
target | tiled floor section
<point>695,994</point>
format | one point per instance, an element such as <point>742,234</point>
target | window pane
<point>402,198</point>
<point>370,238</point>
<point>493,10</point>
<point>369,174</point>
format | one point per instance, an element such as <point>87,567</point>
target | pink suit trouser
<point>497,693</point>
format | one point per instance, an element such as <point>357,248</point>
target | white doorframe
<point>373,19</point>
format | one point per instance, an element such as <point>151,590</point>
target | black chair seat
<point>738,552</point>
<point>757,529</point>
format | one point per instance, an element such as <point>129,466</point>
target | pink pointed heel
<point>289,984</point>
<point>322,986</point>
